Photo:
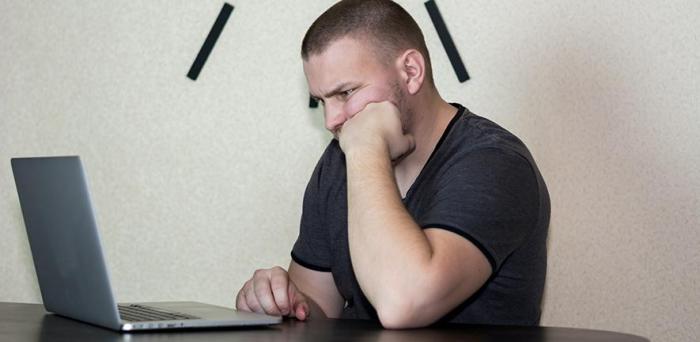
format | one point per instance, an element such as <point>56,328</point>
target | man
<point>418,211</point>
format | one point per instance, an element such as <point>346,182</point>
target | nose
<point>334,118</point>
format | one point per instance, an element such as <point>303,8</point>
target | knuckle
<point>280,277</point>
<point>260,273</point>
<point>260,287</point>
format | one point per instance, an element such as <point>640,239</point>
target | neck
<point>430,119</point>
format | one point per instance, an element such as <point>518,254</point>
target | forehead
<point>343,60</point>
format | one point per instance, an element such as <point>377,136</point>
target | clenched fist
<point>376,128</point>
<point>271,292</point>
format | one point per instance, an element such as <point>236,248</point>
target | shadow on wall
<point>576,90</point>
<point>617,175</point>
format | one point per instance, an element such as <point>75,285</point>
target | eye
<point>346,93</point>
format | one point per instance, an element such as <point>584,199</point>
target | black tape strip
<point>447,41</point>
<point>312,102</point>
<point>210,41</point>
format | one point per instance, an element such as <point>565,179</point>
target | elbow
<point>402,314</point>
<point>395,319</point>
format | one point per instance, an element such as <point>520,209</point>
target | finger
<point>299,304</point>
<point>240,300</point>
<point>252,301</point>
<point>263,292</point>
<point>278,282</point>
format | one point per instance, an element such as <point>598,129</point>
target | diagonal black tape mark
<point>208,45</point>
<point>447,41</point>
<point>312,102</point>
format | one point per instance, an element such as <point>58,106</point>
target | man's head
<point>362,51</point>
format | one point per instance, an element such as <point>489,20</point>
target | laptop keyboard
<point>140,313</point>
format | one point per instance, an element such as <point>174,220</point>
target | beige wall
<point>196,184</point>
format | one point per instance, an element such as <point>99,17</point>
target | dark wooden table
<point>29,322</point>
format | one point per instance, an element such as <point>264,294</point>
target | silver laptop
<point>70,265</point>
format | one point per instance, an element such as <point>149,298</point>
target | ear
<point>411,66</point>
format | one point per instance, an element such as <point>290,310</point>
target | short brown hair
<point>385,24</point>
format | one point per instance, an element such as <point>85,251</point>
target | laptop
<point>70,264</point>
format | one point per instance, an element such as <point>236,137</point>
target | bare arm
<point>411,276</point>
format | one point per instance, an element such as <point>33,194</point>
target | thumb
<point>411,142</point>
<point>301,311</point>
<point>298,303</point>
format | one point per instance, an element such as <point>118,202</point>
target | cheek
<point>357,102</point>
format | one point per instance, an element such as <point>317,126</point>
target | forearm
<point>390,253</point>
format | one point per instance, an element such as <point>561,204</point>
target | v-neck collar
<point>455,118</point>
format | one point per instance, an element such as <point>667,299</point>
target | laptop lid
<point>64,240</point>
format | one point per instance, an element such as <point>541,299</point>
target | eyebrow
<point>337,90</point>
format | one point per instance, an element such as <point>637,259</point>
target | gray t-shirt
<point>481,183</point>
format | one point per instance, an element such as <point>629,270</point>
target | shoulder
<point>479,156</point>
<point>472,133</point>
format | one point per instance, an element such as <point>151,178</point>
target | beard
<point>404,109</point>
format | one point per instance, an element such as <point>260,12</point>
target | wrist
<point>367,154</point>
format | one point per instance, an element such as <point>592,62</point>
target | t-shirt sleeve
<point>311,249</point>
<point>489,196</point>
